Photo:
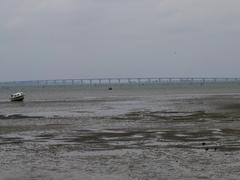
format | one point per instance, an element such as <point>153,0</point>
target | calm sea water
<point>154,132</point>
<point>75,100</point>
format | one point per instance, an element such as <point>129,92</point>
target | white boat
<point>19,96</point>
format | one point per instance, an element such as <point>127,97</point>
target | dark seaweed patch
<point>46,136</point>
<point>10,140</point>
<point>18,116</point>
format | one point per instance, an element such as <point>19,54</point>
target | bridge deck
<point>115,81</point>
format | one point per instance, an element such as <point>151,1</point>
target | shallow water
<point>127,133</point>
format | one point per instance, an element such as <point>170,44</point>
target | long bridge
<point>122,81</point>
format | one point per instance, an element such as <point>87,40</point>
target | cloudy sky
<point>52,39</point>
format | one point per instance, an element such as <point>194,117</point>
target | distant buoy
<point>110,88</point>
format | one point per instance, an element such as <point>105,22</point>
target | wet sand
<point>195,137</point>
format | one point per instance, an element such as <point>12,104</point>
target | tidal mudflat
<point>122,134</point>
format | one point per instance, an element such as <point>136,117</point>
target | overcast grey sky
<point>51,39</point>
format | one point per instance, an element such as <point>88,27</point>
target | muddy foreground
<point>194,138</point>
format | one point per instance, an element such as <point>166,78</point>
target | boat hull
<point>20,98</point>
<point>17,97</point>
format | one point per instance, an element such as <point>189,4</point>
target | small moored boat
<point>19,96</point>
